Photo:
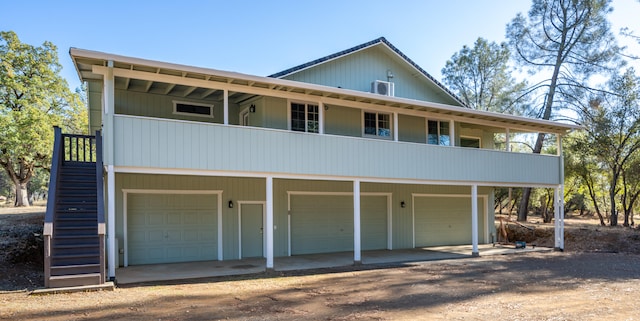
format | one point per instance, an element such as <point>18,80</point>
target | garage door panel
<point>444,220</point>
<point>171,228</point>
<point>321,223</point>
<point>373,218</point>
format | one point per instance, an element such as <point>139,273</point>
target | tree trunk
<point>22,197</point>
<point>614,212</point>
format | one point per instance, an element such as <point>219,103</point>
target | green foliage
<point>33,99</point>
<point>481,77</point>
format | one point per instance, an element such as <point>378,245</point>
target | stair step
<point>73,246</point>
<point>75,269</point>
<point>62,281</point>
<point>75,259</point>
<point>75,228</point>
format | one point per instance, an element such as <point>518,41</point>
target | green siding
<point>412,129</point>
<point>343,121</point>
<point>169,144</point>
<point>357,70</point>
<point>161,106</point>
<point>94,97</point>
<point>373,222</point>
<point>446,220</point>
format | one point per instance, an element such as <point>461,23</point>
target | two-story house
<point>360,150</point>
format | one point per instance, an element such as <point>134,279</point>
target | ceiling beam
<point>189,91</point>
<point>207,93</point>
<point>432,110</point>
<point>169,88</point>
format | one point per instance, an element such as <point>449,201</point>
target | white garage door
<point>171,228</point>
<point>445,220</point>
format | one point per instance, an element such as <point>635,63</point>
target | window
<point>377,124</point>
<point>305,118</point>
<point>192,109</point>
<point>471,142</point>
<point>438,133</point>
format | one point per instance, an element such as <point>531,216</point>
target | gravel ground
<point>596,278</point>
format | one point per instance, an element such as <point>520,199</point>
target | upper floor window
<point>304,118</point>
<point>438,133</point>
<point>472,142</point>
<point>192,109</point>
<point>377,124</point>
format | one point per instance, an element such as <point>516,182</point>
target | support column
<point>357,259</point>
<point>225,99</point>
<point>474,220</point>
<point>111,222</point>
<point>396,130</point>
<point>559,206</point>
<point>321,111</point>
<point>452,133</point>
<point>269,223</point>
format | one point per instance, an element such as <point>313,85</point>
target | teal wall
<point>412,129</point>
<point>169,144</point>
<point>357,70</point>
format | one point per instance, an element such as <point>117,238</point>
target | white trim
<point>507,140</point>
<point>241,117</point>
<point>357,239</point>
<point>225,106</point>
<point>321,111</point>
<point>264,245</point>
<point>452,132</point>
<point>198,172</point>
<point>268,227</point>
<point>111,220</point>
<point>389,196</point>
<point>471,137</point>
<point>127,191</point>
<point>485,198</point>
<point>377,113</point>
<point>275,86</point>
<point>396,130</point>
<point>181,102</point>
<point>474,220</point>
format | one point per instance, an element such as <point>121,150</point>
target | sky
<point>264,37</point>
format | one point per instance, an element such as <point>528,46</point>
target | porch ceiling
<point>202,83</point>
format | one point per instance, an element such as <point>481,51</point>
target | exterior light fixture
<point>230,204</point>
<point>252,108</point>
<point>403,204</point>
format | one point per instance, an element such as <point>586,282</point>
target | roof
<point>91,65</point>
<point>375,42</point>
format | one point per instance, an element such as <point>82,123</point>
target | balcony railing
<point>162,143</point>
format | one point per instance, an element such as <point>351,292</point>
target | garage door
<point>445,220</point>
<point>171,228</point>
<point>373,218</point>
<point>321,223</point>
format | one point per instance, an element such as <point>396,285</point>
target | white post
<point>356,222</point>
<point>452,133</point>
<point>321,118</point>
<point>111,221</point>
<point>225,103</point>
<point>559,206</point>
<point>507,140</point>
<point>396,130</point>
<point>269,223</point>
<point>474,220</point>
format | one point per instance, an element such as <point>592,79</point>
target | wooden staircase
<point>74,223</point>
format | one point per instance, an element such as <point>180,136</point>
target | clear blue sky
<point>264,37</point>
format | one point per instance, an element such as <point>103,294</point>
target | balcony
<point>168,144</point>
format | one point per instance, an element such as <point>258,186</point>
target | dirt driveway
<point>540,286</point>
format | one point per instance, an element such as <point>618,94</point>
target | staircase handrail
<point>56,161</point>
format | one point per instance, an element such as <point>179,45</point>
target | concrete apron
<point>194,270</point>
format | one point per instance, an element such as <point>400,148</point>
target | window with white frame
<point>471,142</point>
<point>192,109</point>
<point>438,133</point>
<point>377,124</point>
<point>305,117</point>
